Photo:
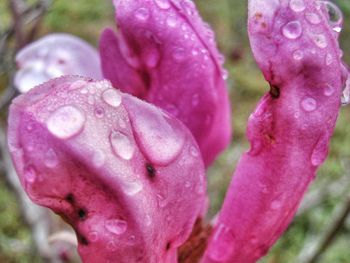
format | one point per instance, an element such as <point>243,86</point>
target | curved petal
<point>175,55</point>
<point>297,50</point>
<point>127,176</point>
<point>53,56</point>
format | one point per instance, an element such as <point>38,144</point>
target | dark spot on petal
<point>168,245</point>
<point>274,91</point>
<point>83,240</point>
<point>69,198</point>
<point>82,214</point>
<point>150,170</point>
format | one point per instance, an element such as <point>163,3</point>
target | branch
<point>311,253</point>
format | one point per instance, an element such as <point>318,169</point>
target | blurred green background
<point>228,19</point>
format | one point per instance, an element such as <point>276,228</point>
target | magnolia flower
<point>289,131</point>
<point>129,176</point>
<point>126,175</point>
<point>53,56</point>
<point>165,54</point>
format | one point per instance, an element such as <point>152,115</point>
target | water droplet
<point>224,74</point>
<point>142,14</point>
<point>171,21</point>
<point>297,5</point>
<point>51,159</point>
<point>194,151</point>
<point>77,85</point>
<point>162,200</point>
<point>275,205</point>
<point>179,54</point>
<point>112,97</point>
<point>320,40</point>
<point>98,158</point>
<point>329,59</point>
<point>116,226</point>
<point>121,145</point>
<point>298,54</point>
<point>222,244</point>
<point>91,99</point>
<point>187,184</point>
<point>99,112</point>
<point>66,122</point>
<point>132,188</point>
<point>195,100</point>
<point>345,99</point>
<point>313,18</point>
<point>309,104</point>
<point>157,136</point>
<point>188,6</point>
<point>335,16</point>
<point>30,174</point>
<point>151,58</point>
<point>163,4</point>
<point>292,30</point>
<point>320,152</point>
<point>148,220</point>
<point>328,90</point>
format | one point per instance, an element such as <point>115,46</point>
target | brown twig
<point>334,226</point>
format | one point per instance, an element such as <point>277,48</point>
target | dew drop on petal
<point>309,104</point>
<point>195,100</point>
<point>30,174</point>
<point>335,16</point>
<point>320,152</point>
<point>112,97</point>
<point>99,112</point>
<point>163,4</point>
<point>98,158</point>
<point>50,159</point>
<point>298,54</point>
<point>155,133</point>
<point>194,151</point>
<point>172,21</point>
<point>116,226</point>
<point>132,188</point>
<point>328,90</point>
<point>297,5</point>
<point>162,200</point>
<point>221,247</point>
<point>313,18</point>
<point>275,205</point>
<point>345,99</point>
<point>329,59</point>
<point>292,30</point>
<point>179,54</point>
<point>320,40</point>
<point>142,14</point>
<point>66,122</point>
<point>121,145</point>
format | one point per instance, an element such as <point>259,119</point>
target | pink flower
<point>296,47</point>
<point>165,54</point>
<point>127,176</point>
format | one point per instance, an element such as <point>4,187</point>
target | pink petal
<point>120,73</point>
<point>289,131</point>
<point>174,53</point>
<point>53,56</point>
<point>127,176</point>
